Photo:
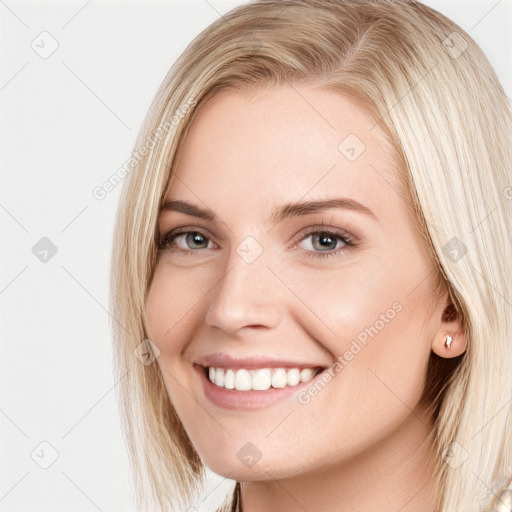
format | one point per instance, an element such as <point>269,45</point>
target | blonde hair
<point>435,97</point>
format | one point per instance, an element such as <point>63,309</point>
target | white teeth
<point>229,379</point>
<point>293,377</point>
<point>306,374</point>
<point>279,378</point>
<point>260,379</point>
<point>219,378</point>
<point>242,379</point>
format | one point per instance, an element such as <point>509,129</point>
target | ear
<point>449,340</point>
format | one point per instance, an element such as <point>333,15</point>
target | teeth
<point>229,379</point>
<point>260,379</point>
<point>219,379</point>
<point>242,379</point>
<point>306,374</point>
<point>293,377</point>
<point>279,378</point>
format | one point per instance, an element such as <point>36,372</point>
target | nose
<point>247,296</point>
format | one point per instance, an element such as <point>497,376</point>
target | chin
<point>237,471</point>
<point>245,466</point>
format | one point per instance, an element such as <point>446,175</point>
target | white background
<point>68,122</point>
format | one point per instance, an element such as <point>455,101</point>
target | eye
<point>324,242</point>
<point>185,241</point>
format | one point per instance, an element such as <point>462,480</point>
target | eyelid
<point>348,239</point>
<point>172,234</point>
<point>324,228</point>
<point>338,233</point>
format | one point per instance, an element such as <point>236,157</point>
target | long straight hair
<point>438,102</point>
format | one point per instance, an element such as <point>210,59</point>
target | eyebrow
<point>279,213</point>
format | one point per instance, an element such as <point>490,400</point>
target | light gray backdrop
<point>76,79</point>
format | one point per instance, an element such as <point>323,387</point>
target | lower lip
<point>246,400</point>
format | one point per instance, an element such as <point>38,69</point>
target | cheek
<point>377,326</point>
<point>372,321</point>
<point>376,291</point>
<point>170,303</point>
<point>338,305</point>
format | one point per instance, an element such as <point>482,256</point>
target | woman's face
<point>293,254</point>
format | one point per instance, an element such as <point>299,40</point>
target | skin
<point>360,443</point>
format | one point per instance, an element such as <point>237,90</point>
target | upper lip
<point>219,360</point>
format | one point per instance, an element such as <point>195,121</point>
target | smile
<point>254,382</point>
<point>260,379</point>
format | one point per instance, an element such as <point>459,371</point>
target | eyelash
<point>169,237</point>
<point>334,233</point>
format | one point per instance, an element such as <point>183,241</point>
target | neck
<point>395,474</point>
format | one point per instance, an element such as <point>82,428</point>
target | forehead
<point>250,151</point>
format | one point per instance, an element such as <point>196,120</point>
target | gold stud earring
<point>448,341</point>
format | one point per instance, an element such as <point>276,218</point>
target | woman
<point>311,266</point>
